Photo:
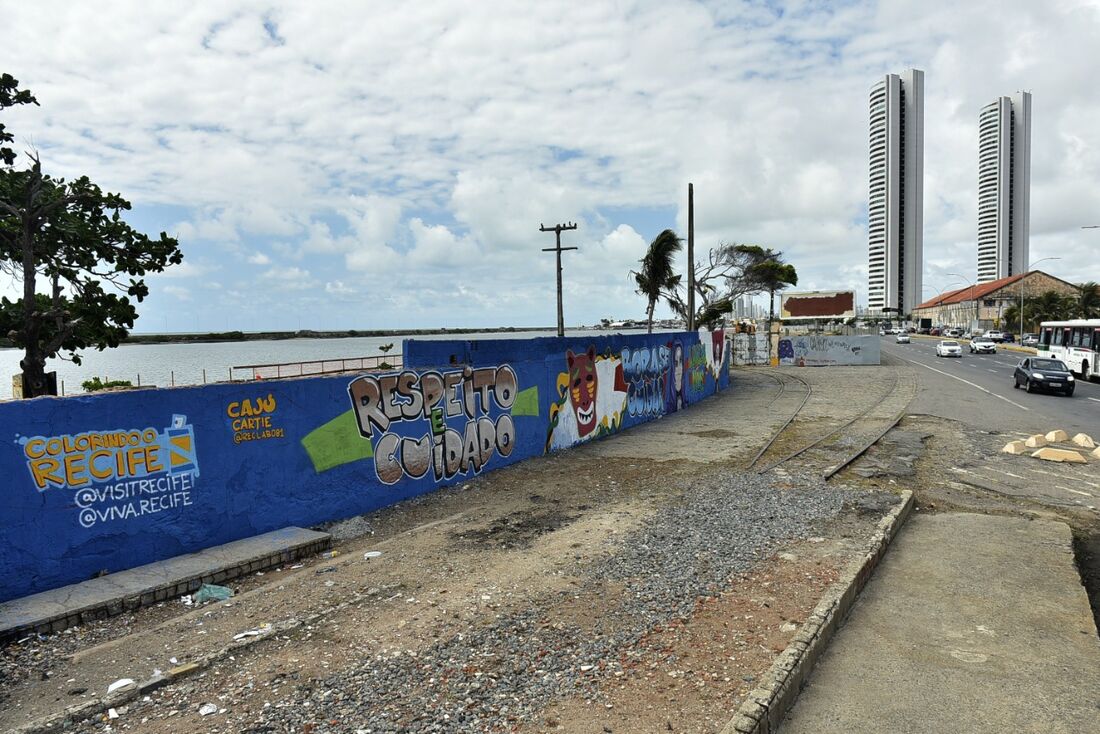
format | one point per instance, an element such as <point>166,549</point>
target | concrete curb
<point>766,706</point>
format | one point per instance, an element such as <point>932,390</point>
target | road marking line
<point>987,392</point>
<point>989,370</point>
<point>1095,400</point>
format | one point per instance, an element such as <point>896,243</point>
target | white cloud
<point>258,258</point>
<point>182,294</point>
<point>437,137</point>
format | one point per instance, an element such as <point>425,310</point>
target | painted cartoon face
<point>718,341</point>
<point>582,388</point>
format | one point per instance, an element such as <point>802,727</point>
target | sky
<point>379,165</point>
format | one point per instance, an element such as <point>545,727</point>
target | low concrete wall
<point>822,351</point>
<point>102,483</point>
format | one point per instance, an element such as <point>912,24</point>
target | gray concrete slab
<point>51,611</point>
<point>972,623</point>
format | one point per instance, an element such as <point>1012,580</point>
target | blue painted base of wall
<point>102,483</point>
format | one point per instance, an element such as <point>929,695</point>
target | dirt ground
<point>463,559</point>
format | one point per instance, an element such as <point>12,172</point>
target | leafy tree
<point>1048,306</point>
<point>731,270</point>
<point>656,279</point>
<point>773,275</point>
<point>68,239</point>
<point>11,95</point>
<point>1087,304</point>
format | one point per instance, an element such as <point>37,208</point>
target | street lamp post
<point>968,282</point>
<point>939,299</point>
<point>1021,288</point>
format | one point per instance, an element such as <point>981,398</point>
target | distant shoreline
<point>248,336</point>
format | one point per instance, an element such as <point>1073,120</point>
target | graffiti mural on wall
<point>450,416</point>
<point>252,419</point>
<point>591,399</point>
<point>645,371</point>
<point>825,350</point>
<point>117,474</point>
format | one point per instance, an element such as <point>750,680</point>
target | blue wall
<point>108,482</point>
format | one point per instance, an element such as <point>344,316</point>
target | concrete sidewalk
<point>972,623</point>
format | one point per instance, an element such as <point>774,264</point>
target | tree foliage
<point>657,279</point>
<point>1087,305</point>
<point>10,96</point>
<point>734,270</point>
<point>80,265</point>
<point>730,271</point>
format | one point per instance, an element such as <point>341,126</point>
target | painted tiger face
<point>583,384</point>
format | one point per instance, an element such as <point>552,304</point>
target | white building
<point>895,210</point>
<point>1004,187</point>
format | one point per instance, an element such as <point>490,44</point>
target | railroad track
<point>836,449</point>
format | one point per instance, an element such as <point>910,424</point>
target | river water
<point>183,364</point>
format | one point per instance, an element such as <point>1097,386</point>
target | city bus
<point>1077,343</point>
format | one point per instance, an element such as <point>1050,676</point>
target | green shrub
<point>96,384</point>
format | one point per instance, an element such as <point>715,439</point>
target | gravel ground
<point>502,673</point>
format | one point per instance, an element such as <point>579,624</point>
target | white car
<point>983,345</point>
<point>947,348</point>
<point>997,336</point>
<point>902,338</point>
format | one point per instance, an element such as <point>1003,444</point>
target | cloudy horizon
<point>375,166</point>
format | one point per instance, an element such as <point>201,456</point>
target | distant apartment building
<point>1004,187</point>
<point>895,207</point>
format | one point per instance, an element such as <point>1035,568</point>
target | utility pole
<point>691,258</point>
<point>557,229</point>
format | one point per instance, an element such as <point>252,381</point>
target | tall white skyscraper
<point>1004,187</point>
<point>895,207</point>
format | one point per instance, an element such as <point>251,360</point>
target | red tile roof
<point>970,293</point>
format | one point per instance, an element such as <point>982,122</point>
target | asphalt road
<point>977,390</point>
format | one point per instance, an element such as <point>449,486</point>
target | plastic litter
<point>112,714</point>
<point>211,592</point>
<point>122,684</point>
<point>208,708</point>
<point>330,554</point>
<point>263,629</point>
<point>372,554</point>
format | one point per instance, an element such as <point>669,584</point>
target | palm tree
<point>656,279</point>
<point>1050,306</point>
<point>774,275</point>
<point>1088,301</point>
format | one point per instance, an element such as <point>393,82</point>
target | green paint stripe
<point>336,442</point>
<point>527,402</point>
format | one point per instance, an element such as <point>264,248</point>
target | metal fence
<point>313,367</point>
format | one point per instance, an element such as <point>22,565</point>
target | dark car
<point>1044,374</point>
<point>933,332</point>
<point>1009,338</point>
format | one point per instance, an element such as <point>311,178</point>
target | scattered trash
<point>296,565</point>
<point>330,583</point>
<point>330,554</point>
<point>112,714</point>
<point>586,668</point>
<point>208,708</point>
<point>173,661</point>
<point>372,554</point>
<point>186,599</point>
<point>326,569</point>
<point>262,630</point>
<point>122,684</point>
<point>211,592</point>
